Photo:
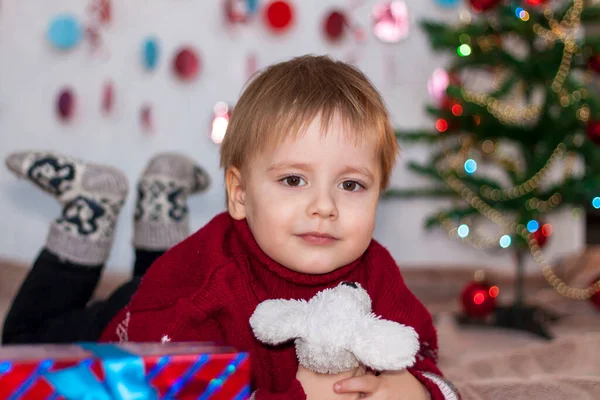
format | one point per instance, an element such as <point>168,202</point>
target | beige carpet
<point>567,368</point>
<point>483,363</point>
<point>498,364</point>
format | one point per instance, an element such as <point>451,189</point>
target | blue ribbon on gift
<point>125,377</point>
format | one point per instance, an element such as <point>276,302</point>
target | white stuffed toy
<point>336,331</point>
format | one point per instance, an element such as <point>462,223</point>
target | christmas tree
<point>517,131</point>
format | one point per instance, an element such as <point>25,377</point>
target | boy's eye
<point>351,186</point>
<point>293,181</point>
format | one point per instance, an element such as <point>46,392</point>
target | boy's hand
<point>393,385</point>
<point>320,386</point>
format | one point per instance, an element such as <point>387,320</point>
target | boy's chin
<point>314,268</point>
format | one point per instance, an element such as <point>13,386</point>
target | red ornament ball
<point>478,299</point>
<point>593,131</point>
<point>186,64</point>
<point>65,104</point>
<point>594,63</point>
<point>334,25</point>
<point>595,299</point>
<point>483,5</point>
<point>279,15</point>
<point>542,234</point>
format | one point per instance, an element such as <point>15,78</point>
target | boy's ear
<point>384,345</point>
<point>235,193</point>
<point>277,321</point>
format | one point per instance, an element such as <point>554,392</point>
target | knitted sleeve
<point>393,300</point>
<point>172,323</point>
<point>165,306</point>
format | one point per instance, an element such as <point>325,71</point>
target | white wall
<point>31,73</point>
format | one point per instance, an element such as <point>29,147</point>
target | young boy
<point>307,152</point>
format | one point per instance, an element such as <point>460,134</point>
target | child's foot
<point>162,216</point>
<point>92,196</point>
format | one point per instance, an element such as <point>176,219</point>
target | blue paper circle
<point>151,53</point>
<point>447,3</point>
<point>64,32</point>
<point>252,6</point>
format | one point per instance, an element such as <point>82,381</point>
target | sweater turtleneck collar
<point>273,274</point>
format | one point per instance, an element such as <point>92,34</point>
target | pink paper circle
<point>390,21</point>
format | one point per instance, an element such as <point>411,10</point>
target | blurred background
<point>496,194</point>
<point>113,51</point>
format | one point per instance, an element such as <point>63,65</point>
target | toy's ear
<point>278,321</point>
<point>385,345</point>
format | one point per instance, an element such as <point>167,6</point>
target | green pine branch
<point>418,193</point>
<point>534,141</point>
<point>454,213</point>
<point>421,136</point>
<point>589,14</point>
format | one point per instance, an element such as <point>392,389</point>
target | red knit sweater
<point>207,287</point>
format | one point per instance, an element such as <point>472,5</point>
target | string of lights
<point>565,31</point>
<point>510,227</point>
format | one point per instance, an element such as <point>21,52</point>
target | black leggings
<point>52,304</point>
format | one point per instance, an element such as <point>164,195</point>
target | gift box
<point>140,371</point>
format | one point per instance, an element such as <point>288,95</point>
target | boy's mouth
<point>317,238</point>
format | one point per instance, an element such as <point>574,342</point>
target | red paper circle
<point>108,97</point>
<point>483,5</point>
<point>593,131</point>
<point>279,15</point>
<point>146,117</point>
<point>65,104</point>
<point>186,64</point>
<point>476,300</point>
<point>334,25</point>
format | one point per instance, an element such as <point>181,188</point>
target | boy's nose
<point>323,206</point>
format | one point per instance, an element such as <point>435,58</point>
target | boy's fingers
<point>358,384</point>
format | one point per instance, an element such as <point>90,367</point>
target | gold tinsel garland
<point>563,31</point>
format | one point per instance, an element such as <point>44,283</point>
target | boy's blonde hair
<point>281,101</point>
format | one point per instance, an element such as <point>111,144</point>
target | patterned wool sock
<point>162,216</point>
<point>91,195</point>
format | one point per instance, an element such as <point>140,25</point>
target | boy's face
<point>311,202</point>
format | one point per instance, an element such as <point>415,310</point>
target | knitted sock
<point>91,196</point>
<point>162,216</point>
